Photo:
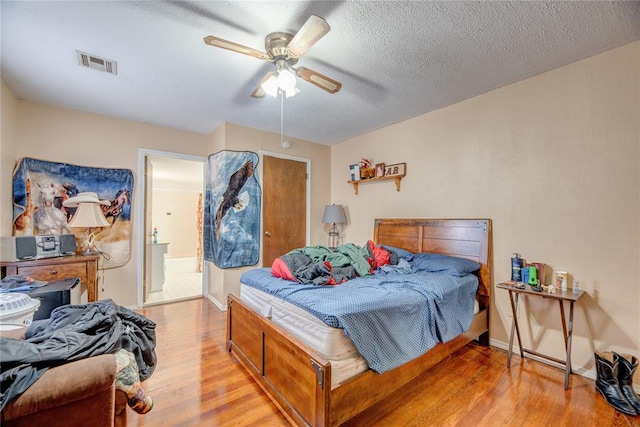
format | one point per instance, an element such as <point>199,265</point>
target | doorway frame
<point>143,153</point>
<point>263,153</point>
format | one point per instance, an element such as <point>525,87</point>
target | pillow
<point>439,263</point>
<point>401,252</point>
<point>380,254</point>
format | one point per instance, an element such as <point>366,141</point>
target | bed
<point>305,381</point>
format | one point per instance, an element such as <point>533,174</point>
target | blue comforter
<point>390,317</point>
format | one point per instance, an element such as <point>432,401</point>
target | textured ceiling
<point>396,60</point>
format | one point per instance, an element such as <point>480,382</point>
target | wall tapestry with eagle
<point>232,209</point>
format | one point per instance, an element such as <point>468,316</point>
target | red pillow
<point>380,254</point>
<point>281,270</point>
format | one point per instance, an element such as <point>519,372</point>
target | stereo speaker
<point>26,247</point>
<point>67,244</point>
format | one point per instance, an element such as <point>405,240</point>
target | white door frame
<point>140,212</point>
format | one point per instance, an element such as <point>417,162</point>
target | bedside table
<point>84,267</point>
<point>561,297</point>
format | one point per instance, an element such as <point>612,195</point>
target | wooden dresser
<point>84,267</point>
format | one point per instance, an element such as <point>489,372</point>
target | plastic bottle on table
<point>576,286</point>
<point>155,235</point>
<point>516,267</point>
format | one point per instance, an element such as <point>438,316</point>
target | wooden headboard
<point>464,238</point>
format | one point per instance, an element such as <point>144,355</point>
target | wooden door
<point>284,207</point>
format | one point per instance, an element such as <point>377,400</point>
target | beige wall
<point>8,147</point>
<point>554,160</point>
<point>174,214</point>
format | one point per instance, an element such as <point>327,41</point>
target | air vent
<point>97,63</point>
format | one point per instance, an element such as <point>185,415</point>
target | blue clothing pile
<point>19,283</point>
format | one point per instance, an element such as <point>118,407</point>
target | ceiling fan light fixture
<point>286,80</point>
<point>286,77</point>
<point>271,86</point>
<point>292,92</point>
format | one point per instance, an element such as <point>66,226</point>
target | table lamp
<point>333,214</point>
<point>88,215</point>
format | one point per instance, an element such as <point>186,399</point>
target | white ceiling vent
<point>97,63</point>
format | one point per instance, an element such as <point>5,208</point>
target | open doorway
<point>173,196</point>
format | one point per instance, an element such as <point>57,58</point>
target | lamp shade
<point>271,86</point>
<point>334,214</point>
<point>286,80</point>
<point>88,215</point>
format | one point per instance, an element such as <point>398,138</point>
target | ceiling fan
<point>284,50</point>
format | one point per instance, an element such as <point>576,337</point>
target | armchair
<point>79,393</point>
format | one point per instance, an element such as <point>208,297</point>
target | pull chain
<point>281,118</point>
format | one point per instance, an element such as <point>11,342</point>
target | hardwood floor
<point>197,383</point>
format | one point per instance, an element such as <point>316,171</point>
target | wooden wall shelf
<point>396,178</point>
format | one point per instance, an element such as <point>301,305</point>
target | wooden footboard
<point>298,379</point>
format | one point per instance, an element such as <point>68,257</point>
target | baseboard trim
<point>588,373</point>
<point>221,307</point>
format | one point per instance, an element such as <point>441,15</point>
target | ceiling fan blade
<point>235,47</point>
<point>320,80</point>
<point>312,31</point>
<point>260,92</point>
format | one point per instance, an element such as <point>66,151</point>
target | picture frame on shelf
<point>379,170</point>
<point>397,169</point>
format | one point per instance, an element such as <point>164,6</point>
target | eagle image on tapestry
<point>40,187</point>
<point>232,209</point>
